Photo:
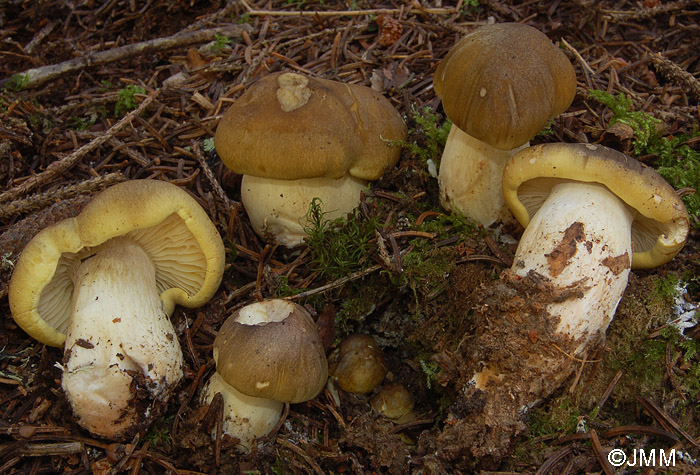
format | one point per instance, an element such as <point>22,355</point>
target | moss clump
<point>427,135</point>
<point>644,125</point>
<point>677,161</point>
<point>555,419</point>
<point>340,246</point>
<point>126,99</point>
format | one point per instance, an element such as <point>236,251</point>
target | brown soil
<point>426,318</point>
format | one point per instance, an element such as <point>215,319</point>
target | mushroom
<point>267,354</point>
<point>499,86</point>
<point>591,214</point>
<point>295,138</point>
<point>394,401</point>
<point>103,285</point>
<point>357,365</point>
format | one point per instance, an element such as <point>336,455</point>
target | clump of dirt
<point>513,360</point>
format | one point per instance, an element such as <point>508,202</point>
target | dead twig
<point>230,204</point>
<point>336,283</point>
<point>674,73</point>
<point>600,455</point>
<point>35,77</point>
<point>41,200</point>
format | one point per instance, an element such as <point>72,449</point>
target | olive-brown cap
<point>163,219</point>
<point>287,126</point>
<point>358,364</point>
<point>660,225</point>
<point>272,350</point>
<point>503,82</point>
<point>393,401</point>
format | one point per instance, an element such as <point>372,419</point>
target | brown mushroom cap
<point>502,83</point>
<point>358,364</point>
<point>282,359</point>
<point>393,401</point>
<point>660,224</point>
<point>287,127</point>
<point>163,219</point>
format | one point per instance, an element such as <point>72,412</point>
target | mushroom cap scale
<point>163,219</point>
<point>272,350</point>
<point>503,82</point>
<point>316,128</point>
<point>660,224</point>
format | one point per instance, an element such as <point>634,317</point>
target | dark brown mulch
<point>639,49</point>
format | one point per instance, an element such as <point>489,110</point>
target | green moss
<point>17,82</point>
<point>644,125</point>
<point>126,99</point>
<point>447,225</point>
<point>666,288</point>
<point>427,136</point>
<point>220,42</point>
<point>555,419</point>
<point>339,246</point>
<point>158,434</point>
<point>431,370</point>
<point>677,162</point>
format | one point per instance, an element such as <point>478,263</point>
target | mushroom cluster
<point>295,138</point>
<point>499,86</point>
<point>103,285</point>
<point>267,354</point>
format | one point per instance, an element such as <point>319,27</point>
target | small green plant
<point>220,42</point>
<point>83,123</point>
<point>431,370</point>
<point>244,18</point>
<point>339,246</point>
<point>17,82</point>
<point>208,144</point>
<point>126,99</point>
<point>666,288</point>
<point>469,6</point>
<point>428,136</point>
<point>677,162</point>
<point>556,419</point>
<point>644,125</point>
<point>159,432</point>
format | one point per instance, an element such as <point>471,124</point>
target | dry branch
<point>41,200</point>
<point>37,76</point>
<point>676,74</point>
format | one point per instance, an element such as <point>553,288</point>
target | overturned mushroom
<point>295,138</point>
<point>104,284</point>
<point>266,354</point>
<point>499,86</point>
<point>591,214</point>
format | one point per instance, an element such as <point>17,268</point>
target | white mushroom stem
<point>246,418</point>
<point>470,178</point>
<point>580,239</point>
<point>278,208</point>
<point>121,351</point>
